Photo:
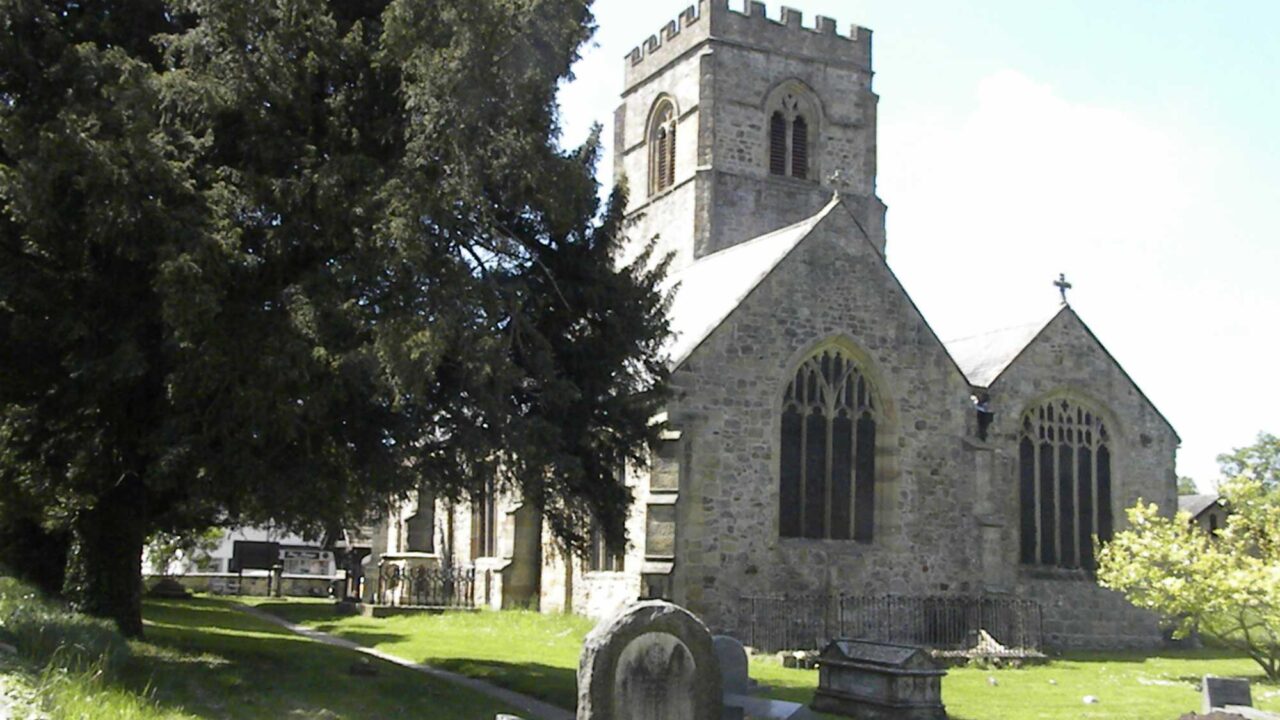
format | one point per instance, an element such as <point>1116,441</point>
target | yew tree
<point>280,260</point>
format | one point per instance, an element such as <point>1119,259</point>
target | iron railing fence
<point>804,622</point>
<point>426,587</point>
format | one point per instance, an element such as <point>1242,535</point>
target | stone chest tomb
<point>878,680</point>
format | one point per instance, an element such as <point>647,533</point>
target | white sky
<point>1133,146</point>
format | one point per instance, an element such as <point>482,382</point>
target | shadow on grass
<point>363,637</point>
<point>313,615</point>
<point>296,612</point>
<point>207,659</point>
<point>556,685</point>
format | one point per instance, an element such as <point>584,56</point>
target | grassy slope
<point>527,652</point>
<point>217,662</point>
<point>538,655</point>
<point>200,659</point>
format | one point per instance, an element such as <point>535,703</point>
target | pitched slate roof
<point>983,357</point>
<point>707,291</point>
<point>1196,504</point>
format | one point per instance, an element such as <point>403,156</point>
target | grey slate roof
<point>704,294</point>
<point>711,288</point>
<point>984,356</point>
<point>1196,504</point>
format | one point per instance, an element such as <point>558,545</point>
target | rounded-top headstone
<point>732,657</point>
<point>652,661</point>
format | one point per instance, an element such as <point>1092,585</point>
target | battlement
<point>751,26</point>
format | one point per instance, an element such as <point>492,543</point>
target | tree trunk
<point>104,566</point>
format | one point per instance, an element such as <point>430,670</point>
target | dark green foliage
<point>279,260</point>
<point>28,549</point>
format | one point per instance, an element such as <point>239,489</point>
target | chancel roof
<point>984,356</point>
<point>707,291</point>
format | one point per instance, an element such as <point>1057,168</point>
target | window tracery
<point>792,117</point>
<point>828,447</point>
<point>1065,484</point>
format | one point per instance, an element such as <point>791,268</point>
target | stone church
<point>821,439</point>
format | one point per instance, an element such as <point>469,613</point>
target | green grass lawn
<point>215,662</point>
<point>201,658</point>
<point>538,655</point>
<point>528,652</point>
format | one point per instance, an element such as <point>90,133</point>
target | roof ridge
<point>1029,324</point>
<point>765,251</point>
<point>812,220</point>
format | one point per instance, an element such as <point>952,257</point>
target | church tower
<point>733,125</point>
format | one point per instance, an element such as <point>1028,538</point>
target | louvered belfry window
<point>799,148</point>
<point>789,139</point>
<point>827,469</point>
<point>1064,481</point>
<point>662,148</point>
<point>778,144</point>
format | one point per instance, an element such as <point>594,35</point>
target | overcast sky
<point>1134,146</point>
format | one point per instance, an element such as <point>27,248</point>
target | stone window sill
<point>1049,572</point>
<point>827,541</point>
<point>805,183</point>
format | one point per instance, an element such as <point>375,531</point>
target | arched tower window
<point>1064,470</point>
<point>662,147</point>
<point>799,147</point>
<point>792,118</point>
<point>778,143</point>
<point>829,418</point>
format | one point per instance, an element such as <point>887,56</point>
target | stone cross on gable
<point>1063,286</point>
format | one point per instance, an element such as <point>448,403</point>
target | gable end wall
<point>728,404</point>
<point>1065,360</point>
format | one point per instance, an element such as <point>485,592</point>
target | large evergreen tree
<point>279,260</point>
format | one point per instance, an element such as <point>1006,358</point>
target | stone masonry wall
<point>719,67</point>
<point>728,405</point>
<point>567,584</point>
<point>1067,361</point>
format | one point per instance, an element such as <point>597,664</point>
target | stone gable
<point>1066,360</point>
<point>834,287</point>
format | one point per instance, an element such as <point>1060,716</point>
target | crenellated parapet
<point>750,26</point>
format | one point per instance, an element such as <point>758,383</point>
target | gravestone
<point>1221,692</point>
<point>651,661</point>
<point>739,688</point>
<point>732,658</point>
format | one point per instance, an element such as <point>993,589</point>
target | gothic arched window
<point>799,147</point>
<point>1064,479</point>
<point>791,115</point>
<point>828,451</point>
<point>662,147</point>
<point>778,143</point>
